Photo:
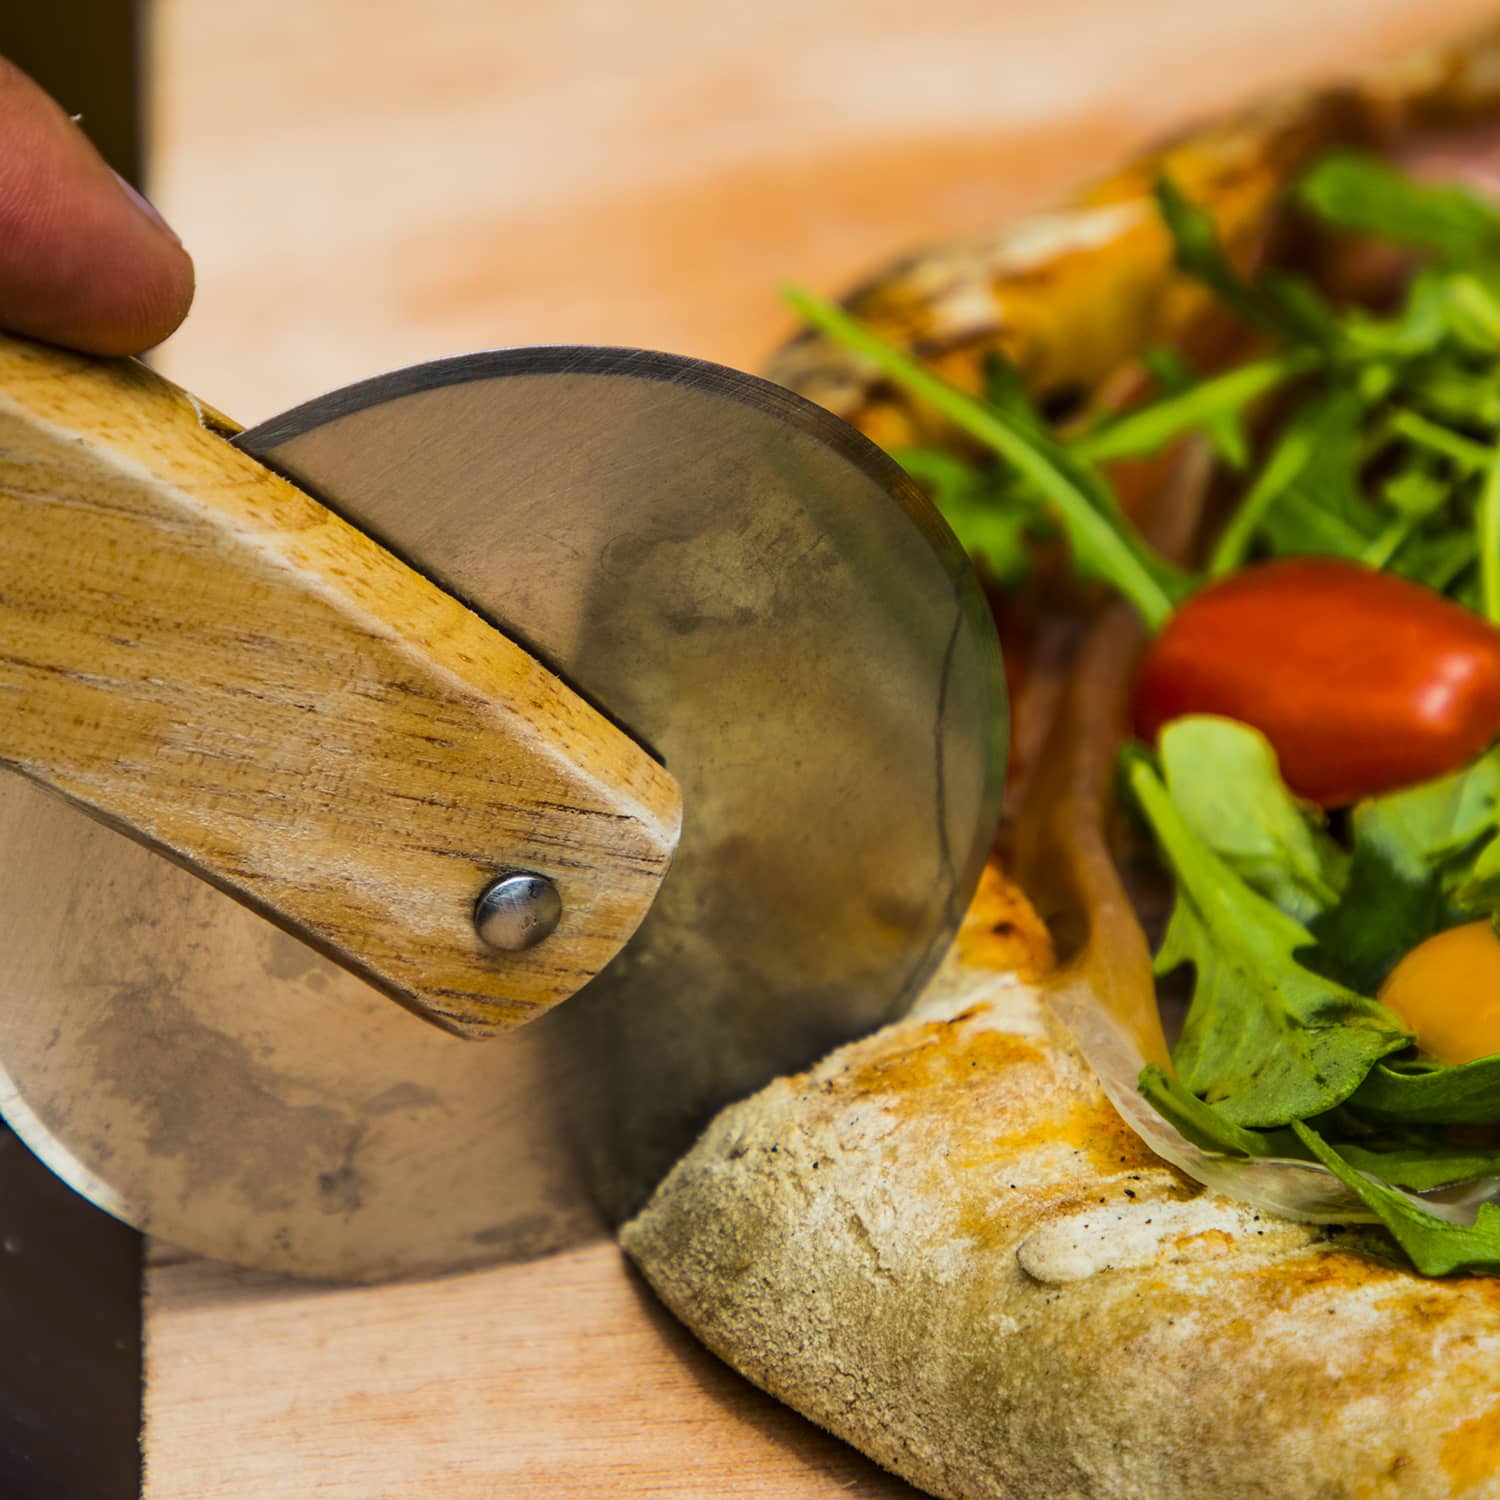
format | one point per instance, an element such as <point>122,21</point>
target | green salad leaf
<point>1487,545</point>
<point>1204,1125</point>
<point>1412,853</point>
<point>995,519</point>
<point>994,525</point>
<point>1324,508</point>
<point>1005,391</point>
<point>1422,1166</point>
<point>1436,1246</point>
<point>1223,424</point>
<point>1357,192</point>
<point>1227,788</point>
<point>1416,328</point>
<point>1392,457</point>
<point>1199,252</point>
<point>1266,1041</point>
<point>1295,461</point>
<point>1104,544</point>
<point>1391,1134</point>
<point>1461,1094</point>
<point>1385,912</point>
<point>1361,433</point>
<point>1209,405</point>
<point>1479,894</point>
<point>1432,825</point>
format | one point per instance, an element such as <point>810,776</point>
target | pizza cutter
<point>617,694</point>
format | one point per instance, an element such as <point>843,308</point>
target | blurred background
<point>367,183</point>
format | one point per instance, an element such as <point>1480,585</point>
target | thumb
<point>84,260</point>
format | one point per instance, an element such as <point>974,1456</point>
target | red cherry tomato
<point>1362,681</point>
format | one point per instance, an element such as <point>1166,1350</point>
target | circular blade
<point>751,589</point>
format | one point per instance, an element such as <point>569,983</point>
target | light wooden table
<point>366,183</point>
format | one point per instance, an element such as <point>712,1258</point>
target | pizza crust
<point>943,1244</point>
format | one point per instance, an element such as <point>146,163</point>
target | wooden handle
<point>198,653</point>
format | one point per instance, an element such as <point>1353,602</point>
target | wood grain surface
<point>563,1377</point>
<point>368,184</point>
<point>178,606</point>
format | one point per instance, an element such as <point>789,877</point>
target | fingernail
<point>148,208</point>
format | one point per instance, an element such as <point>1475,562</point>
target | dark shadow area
<point>70,1317</point>
<point>86,54</point>
<point>70,1276</point>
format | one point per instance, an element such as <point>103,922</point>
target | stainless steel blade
<point>751,589</point>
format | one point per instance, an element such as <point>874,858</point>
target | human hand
<point>84,260</point>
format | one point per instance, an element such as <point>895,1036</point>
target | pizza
<point>1088,1223</point>
<point>944,1245</point>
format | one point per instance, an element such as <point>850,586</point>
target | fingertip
<point>84,261</point>
<point>133,303</point>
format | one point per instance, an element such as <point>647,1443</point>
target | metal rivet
<point>517,911</point>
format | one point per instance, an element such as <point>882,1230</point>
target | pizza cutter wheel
<point>282,760</point>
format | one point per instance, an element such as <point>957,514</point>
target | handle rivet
<point>517,911</point>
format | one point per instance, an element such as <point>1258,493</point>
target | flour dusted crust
<point>944,1245</point>
<point>942,1242</point>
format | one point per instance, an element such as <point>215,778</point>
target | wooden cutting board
<point>365,183</point>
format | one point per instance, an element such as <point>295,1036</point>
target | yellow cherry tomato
<point>1447,991</point>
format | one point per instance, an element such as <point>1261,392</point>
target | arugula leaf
<point>1385,912</point>
<point>941,473</point>
<point>1323,508</point>
<point>1415,492</point>
<point>1302,311</point>
<point>992,524</point>
<point>1479,894</point>
<point>1422,1166</point>
<point>1452,392</point>
<point>1437,1247</point>
<point>1204,1126</point>
<point>1223,425</point>
<point>1463,1094</point>
<point>1473,313</point>
<point>1104,543</point>
<point>1278,303</point>
<point>1006,391</point>
<point>1427,378</point>
<point>1266,1041</point>
<point>1440,561</point>
<point>1225,784</point>
<point>1464,452</point>
<point>1417,327</point>
<point>1412,851</point>
<point>1207,405</point>
<point>1302,526</point>
<point>1315,447</point>
<point>1488,540</point>
<point>1198,251</point>
<point>1424,827</point>
<point>1348,190</point>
